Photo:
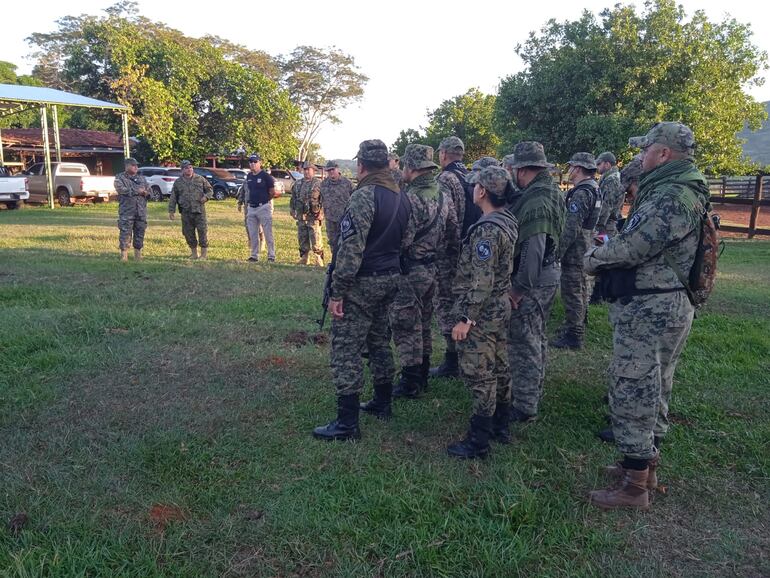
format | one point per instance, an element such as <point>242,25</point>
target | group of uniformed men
<point>492,266</point>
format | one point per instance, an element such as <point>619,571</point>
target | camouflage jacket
<point>574,239</point>
<point>306,200</point>
<point>188,194</point>
<point>351,246</point>
<point>457,193</point>
<point>424,193</point>
<point>613,195</point>
<point>398,176</point>
<point>484,267</point>
<point>334,197</point>
<point>664,217</point>
<point>130,202</point>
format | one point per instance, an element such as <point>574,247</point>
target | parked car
<point>13,190</point>
<point>288,178</point>
<point>160,179</point>
<point>224,184</point>
<point>239,174</point>
<point>70,181</point>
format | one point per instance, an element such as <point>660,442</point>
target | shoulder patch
<point>573,207</point>
<point>633,223</point>
<point>483,250</point>
<point>347,227</point>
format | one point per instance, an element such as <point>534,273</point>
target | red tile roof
<point>69,138</point>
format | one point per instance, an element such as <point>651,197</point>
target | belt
<point>391,271</point>
<point>253,206</point>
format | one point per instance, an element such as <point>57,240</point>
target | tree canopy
<point>592,83</point>
<point>30,118</point>
<point>188,96</point>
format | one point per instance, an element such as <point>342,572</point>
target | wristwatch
<point>467,321</point>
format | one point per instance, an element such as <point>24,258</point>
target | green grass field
<point>155,420</point>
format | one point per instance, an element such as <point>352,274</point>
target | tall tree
<point>321,83</point>
<point>406,137</point>
<point>590,84</point>
<point>468,116</point>
<point>27,119</point>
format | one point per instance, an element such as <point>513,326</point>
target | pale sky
<point>415,54</point>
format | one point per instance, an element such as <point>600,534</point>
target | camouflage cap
<point>130,161</point>
<point>674,135</point>
<point>373,150</point>
<point>452,144</point>
<point>632,171</point>
<point>494,179</point>
<point>485,162</point>
<point>607,157</point>
<point>585,160</point>
<point>308,165</point>
<point>331,165</point>
<point>529,154</point>
<point>185,164</point>
<point>508,160</point>
<point>417,156</point>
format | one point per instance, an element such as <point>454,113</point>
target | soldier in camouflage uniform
<point>132,192</point>
<point>410,317</point>
<point>583,206</point>
<point>483,309</point>
<point>451,151</point>
<point>395,171</point>
<point>305,207</point>
<point>374,229</point>
<point>538,206</point>
<point>650,312</point>
<point>611,192</point>
<point>484,162</point>
<point>335,194</point>
<point>190,193</point>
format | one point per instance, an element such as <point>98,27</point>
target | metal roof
<point>15,97</point>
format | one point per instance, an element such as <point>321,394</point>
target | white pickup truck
<point>13,190</point>
<point>71,181</point>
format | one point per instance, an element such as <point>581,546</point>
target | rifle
<point>327,294</point>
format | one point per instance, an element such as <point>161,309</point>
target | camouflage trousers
<point>131,227</point>
<point>365,323</point>
<point>528,348</point>
<point>444,299</point>
<point>483,359</point>
<point>649,334</point>
<point>332,234</point>
<point>410,315</point>
<point>309,236</point>
<point>193,223</point>
<point>574,296</point>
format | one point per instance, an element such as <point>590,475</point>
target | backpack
<point>472,213</point>
<point>703,273</point>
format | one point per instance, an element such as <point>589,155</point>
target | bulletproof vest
<point>595,202</point>
<point>383,244</point>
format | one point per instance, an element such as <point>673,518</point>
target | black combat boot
<point>448,367</point>
<point>409,383</point>
<point>569,340</point>
<point>606,435</point>
<point>345,427</point>
<point>476,442</point>
<point>424,373</point>
<point>379,405</point>
<point>500,422</point>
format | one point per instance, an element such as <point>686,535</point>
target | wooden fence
<point>753,191</point>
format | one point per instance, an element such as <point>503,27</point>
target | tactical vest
<point>383,244</point>
<point>595,202</point>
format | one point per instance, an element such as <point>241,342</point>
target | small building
<point>101,151</point>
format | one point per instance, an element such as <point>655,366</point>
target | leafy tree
<point>27,119</point>
<point>321,83</point>
<point>406,137</point>
<point>590,84</point>
<point>188,97</point>
<point>468,116</point>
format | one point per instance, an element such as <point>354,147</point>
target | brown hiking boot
<point>616,472</point>
<point>194,253</point>
<point>302,260</point>
<point>204,252</point>
<point>124,254</point>
<point>138,254</point>
<point>631,492</point>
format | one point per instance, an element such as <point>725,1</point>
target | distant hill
<point>347,164</point>
<point>757,146</point>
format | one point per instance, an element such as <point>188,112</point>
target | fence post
<point>755,206</point>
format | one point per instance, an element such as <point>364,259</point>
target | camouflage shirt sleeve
<point>208,191</point>
<point>475,276</point>
<point>457,194</point>
<point>656,225</point>
<point>578,210</point>
<point>315,199</point>
<point>354,230</point>
<point>451,245</point>
<point>611,190</point>
<point>172,200</point>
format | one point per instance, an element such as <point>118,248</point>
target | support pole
<point>2,155</point>
<point>47,153</point>
<point>56,140</point>
<point>755,204</point>
<point>126,148</point>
